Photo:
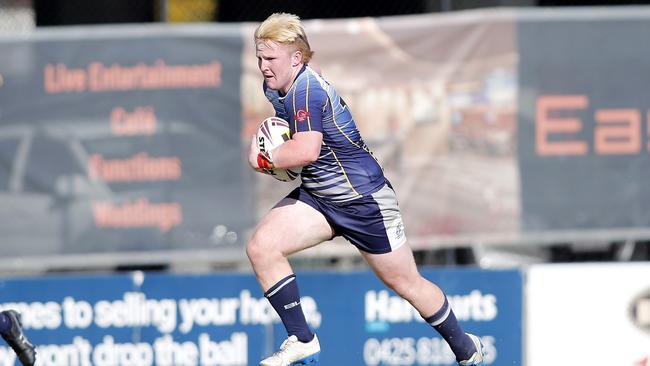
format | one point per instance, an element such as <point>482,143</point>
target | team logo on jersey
<point>302,115</point>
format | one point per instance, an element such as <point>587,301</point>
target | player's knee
<point>255,249</point>
<point>405,286</point>
<point>258,249</point>
<point>254,253</point>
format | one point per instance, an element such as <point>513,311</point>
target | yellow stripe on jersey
<point>339,128</point>
<point>295,121</point>
<point>307,104</point>
<point>343,170</point>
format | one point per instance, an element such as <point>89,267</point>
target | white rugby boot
<point>294,352</point>
<point>477,357</point>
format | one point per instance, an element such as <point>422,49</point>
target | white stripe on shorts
<point>387,202</point>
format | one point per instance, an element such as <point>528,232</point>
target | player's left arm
<point>303,149</point>
<point>305,112</point>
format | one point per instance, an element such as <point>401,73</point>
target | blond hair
<point>285,29</point>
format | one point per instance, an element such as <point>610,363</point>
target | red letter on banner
<point>545,125</point>
<point>618,131</point>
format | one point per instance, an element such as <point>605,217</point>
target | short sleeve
<point>305,106</point>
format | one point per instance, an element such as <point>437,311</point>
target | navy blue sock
<point>444,321</point>
<point>5,324</point>
<point>285,299</point>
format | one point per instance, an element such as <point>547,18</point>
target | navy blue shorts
<point>372,223</point>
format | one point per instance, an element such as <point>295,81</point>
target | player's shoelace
<point>284,347</point>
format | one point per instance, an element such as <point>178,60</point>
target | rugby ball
<point>273,132</point>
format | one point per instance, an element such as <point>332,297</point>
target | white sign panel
<point>590,314</point>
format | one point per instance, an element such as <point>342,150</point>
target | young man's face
<point>278,64</point>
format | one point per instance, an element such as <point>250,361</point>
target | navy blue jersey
<point>345,168</point>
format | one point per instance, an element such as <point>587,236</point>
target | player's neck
<point>294,75</point>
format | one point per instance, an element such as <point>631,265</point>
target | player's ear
<point>296,58</point>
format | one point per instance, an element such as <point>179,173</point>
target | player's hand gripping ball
<point>273,132</point>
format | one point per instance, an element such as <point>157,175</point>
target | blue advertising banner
<point>223,319</point>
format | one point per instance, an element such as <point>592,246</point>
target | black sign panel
<point>121,143</point>
<point>583,124</point>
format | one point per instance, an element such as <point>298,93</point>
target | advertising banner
<point>595,314</point>
<point>584,156</point>
<point>495,127</point>
<point>121,139</point>
<point>158,319</point>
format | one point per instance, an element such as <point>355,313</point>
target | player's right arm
<point>256,159</point>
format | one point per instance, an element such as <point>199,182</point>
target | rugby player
<point>343,192</point>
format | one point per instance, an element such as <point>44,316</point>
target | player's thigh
<point>291,226</point>
<point>396,268</point>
